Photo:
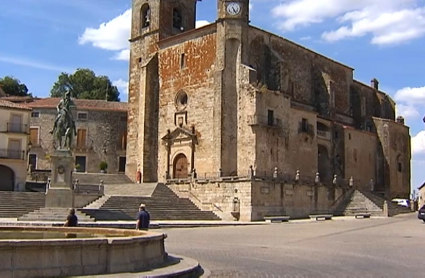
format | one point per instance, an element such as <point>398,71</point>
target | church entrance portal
<point>7,178</point>
<point>180,167</point>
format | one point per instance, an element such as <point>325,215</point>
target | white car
<point>402,202</point>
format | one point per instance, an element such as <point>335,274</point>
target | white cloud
<point>122,85</point>
<point>123,55</point>
<point>114,34</point>
<point>388,22</point>
<point>418,144</point>
<point>200,23</point>
<point>410,101</point>
<point>409,112</point>
<point>411,95</point>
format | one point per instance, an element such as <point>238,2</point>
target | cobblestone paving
<point>381,247</point>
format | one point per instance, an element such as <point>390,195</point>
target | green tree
<point>13,86</point>
<point>84,84</point>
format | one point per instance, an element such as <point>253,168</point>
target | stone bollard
<point>385,211</point>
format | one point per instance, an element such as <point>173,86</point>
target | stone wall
<point>306,76</point>
<point>193,79</point>
<point>104,129</point>
<point>360,157</point>
<point>256,199</point>
<point>395,151</point>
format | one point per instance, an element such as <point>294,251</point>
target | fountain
<point>71,251</point>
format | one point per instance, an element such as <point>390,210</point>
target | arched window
<point>177,18</point>
<point>145,16</point>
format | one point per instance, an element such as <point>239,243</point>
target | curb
<point>176,266</point>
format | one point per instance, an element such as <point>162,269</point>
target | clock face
<point>233,8</point>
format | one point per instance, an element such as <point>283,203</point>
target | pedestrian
<point>143,218</point>
<point>72,219</point>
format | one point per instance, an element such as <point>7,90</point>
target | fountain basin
<point>66,251</point>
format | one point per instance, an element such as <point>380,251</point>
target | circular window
<point>181,100</point>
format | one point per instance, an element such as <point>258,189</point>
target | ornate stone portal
<point>60,193</point>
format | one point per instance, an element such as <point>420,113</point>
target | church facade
<point>234,105</point>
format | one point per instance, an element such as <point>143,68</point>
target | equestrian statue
<point>64,125</point>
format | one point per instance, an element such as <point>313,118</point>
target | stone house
<point>101,134</point>
<point>14,135</point>
<point>232,100</point>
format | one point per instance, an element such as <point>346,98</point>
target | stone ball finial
<point>335,179</point>
<point>317,178</point>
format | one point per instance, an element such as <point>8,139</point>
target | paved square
<point>377,247</point>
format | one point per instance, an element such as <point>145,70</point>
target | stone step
<point>54,214</point>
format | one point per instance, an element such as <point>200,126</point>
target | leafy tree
<point>13,86</point>
<point>84,84</point>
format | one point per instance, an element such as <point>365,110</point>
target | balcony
<point>17,128</point>
<point>12,154</point>
<point>257,120</point>
<point>321,134</point>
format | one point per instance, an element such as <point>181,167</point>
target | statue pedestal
<point>60,193</point>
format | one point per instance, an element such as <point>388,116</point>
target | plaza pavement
<point>342,247</point>
<point>376,247</point>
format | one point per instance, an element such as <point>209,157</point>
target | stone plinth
<point>60,192</point>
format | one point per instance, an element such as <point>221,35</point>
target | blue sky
<point>382,39</point>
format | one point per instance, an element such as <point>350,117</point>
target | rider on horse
<point>63,109</point>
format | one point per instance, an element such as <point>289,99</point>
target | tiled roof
<point>18,98</point>
<point>82,104</point>
<point>9,104</point>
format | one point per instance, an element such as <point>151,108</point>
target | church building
<point>241,119</point>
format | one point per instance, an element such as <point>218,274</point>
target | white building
<point>14,141</point>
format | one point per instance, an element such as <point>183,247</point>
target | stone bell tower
<point>232,51</point>
<point>152,21</point>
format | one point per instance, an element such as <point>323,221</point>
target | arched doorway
<point>7,178</point>
<point>323,163</point>
<point>180,167</point>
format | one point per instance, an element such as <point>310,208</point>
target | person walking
<point>72,219</point>
<point>143,218</point>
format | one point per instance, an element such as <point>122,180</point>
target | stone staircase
<point>130,189</point>
<point>54,214</point>
<point>365,201</point>
<point>16,204</point>
<point>393,209</point>
<point>164,204</point>
<point>95,178</point>
<point>98,203</point>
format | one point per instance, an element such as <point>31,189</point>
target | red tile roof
<point>18,98</point>
<point>9,104</point>
<point>82,104</point>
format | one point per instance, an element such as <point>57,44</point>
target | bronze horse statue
<point>65,128</point>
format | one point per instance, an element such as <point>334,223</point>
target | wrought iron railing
<point>17,128</point>
<point>264,121</point>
